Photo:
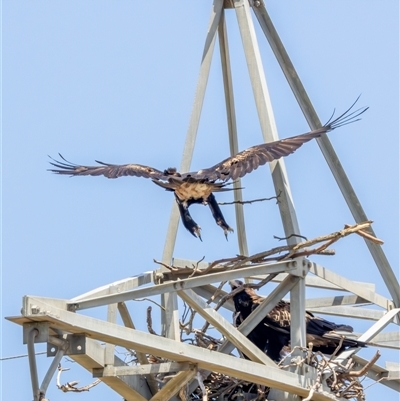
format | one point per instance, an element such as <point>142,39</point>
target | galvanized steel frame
<point>60,316</point>
<point>50,316</point>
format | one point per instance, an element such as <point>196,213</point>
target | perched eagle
<point>199,186</point>
<point>273,332</point>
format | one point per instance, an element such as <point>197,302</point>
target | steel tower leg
<point>170,318</point>
<point>278,169</point>
<point>324,143</point>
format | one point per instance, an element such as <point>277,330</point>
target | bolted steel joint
<point>35,310</point>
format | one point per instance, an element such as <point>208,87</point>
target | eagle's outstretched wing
<point>108,170</point>
<point>250,159</point>
<point>231,168</point>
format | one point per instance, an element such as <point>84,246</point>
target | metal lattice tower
<point>66,332</point>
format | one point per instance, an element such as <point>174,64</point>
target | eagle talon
<point>226,230</point>
<point>187,220</point>
<point>197,232</point>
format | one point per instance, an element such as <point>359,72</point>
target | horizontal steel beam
<point>311,281</point>
<point>124,385</point>
<point>262,268</point>
<point>315,305</point>
<point>339,300</point>
<point>207,291</point>
<point>350,286</point>
<point>349,311</point>
<point>125,284</point>
<point>173,350</point>
<point>155,368</point>
<point>391,336</point>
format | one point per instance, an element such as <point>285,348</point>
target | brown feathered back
<point>273,332</point>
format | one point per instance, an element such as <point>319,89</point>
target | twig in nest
<point>343,382</point>
<point>302,249</point>
<point>330,239</point>
<point>150,321</point>
<point>294,362</point>
<point>71,386</point>
<point>150,300</point>
<point>337,348</point>
<point>196,267</point>
<point>238,263</point>
<point>290,236</point>
<point>187,269</point>
<point>172,268</point>
<point>199,378</point>
<point>365,369</point>
<point>182,324</point>
<point>241,202</point>
<point>367,236</point>
<point>204,338</point>
<point>187,327</point>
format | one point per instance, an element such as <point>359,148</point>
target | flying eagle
<point>199,186</point>
<point>273,332</point>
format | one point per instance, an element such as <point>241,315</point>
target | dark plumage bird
<point>199,186</point>
<point>273,332</point>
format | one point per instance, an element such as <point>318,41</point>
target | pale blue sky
<point>115,81</point>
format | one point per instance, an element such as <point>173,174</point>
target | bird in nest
<point>272,334</point>
<point>199,186</point>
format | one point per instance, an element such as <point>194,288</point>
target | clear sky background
<point>115,81</point>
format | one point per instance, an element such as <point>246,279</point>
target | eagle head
<point>235,284</point>
<point>171,171</point>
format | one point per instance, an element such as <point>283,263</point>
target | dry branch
<point>290,236</point>
<point>316,246</point>
<point>367,236</point>
<point>150,321</point>
<point>366,368</point>
<point>150,300</point>
<point>240,202</point>
<point>71,386</point>
<point>342,381</point>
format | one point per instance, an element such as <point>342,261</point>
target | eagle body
<point>273,332</point>
<point>195,191</point>
<point>190,190</point>
<point>199,186</point>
